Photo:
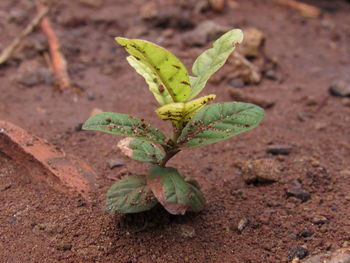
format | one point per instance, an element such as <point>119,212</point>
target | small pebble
<point>78,127</point>
<point>29,144</point>
<point>64,247</point>
<point>260,171</point>
<point>293,236</point>
<point>91,133</point>
<point>90,96</point>
<point>236,83</point>
<point>113,163</point>
<point>12,220</point>
<point>206,31</point>
<point>340,88</point>
<point>299,193</point>
<point>242,224</point>
<point>284,149</point>
<point>272,75</point>
<point>319,220</point>
<point>81,203</point>
<point>305,233</point>
<point>187,231</point>
<point>5,187</point>
<point>217,5</point>
<point>298,252</point>
<point>321,126</point>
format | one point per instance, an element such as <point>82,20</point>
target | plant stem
<point>177,128</point>
<point>172,149</point>
<point>168,155</point>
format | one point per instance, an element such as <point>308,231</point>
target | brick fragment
<point>45,162</point>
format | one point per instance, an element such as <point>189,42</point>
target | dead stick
<point>9,50</point>
<point>58,62</point>
<point>305,9</point>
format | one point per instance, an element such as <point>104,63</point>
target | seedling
<point>195,123</point>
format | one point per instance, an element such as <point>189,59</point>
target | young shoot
<point>195,123</point>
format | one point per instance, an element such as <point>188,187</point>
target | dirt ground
<point>41,225</point>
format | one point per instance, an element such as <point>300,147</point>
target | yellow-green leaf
<point>193,106</point>
<point>163,68</point>
<point>160,93</point>
<point>183,111</point>
<point>213,59</point>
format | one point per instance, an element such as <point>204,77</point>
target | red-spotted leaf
<point>173,192</point>
<point>124,125</point>
<point>218,122</point>
<point>130,195</point>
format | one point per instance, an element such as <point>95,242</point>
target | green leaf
<point>217,122</point>
<point>162,95</point>
<point>213,59</point>
<point>124,125</point>
<point>173,192</point>
<point>183,111</point>
<point>161,67</point>
<point>145,152</point>
<point>130,195</point>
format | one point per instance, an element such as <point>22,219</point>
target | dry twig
<point>305,9</point>
<point>58,62</point>
<point>9,50</point>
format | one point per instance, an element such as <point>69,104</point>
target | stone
<point>217,5</point>
<point>345,173</point>
<point>90,96</point>
<point>340,88</point>
<point>319,220</point>
<point>174,17</point>
<point>242,224</point>
<point>321,126</point>
<point>113,163</point>
<point>298,252</point>
<point>306,233</point>
<point>253,42</point>
<point>30,73</point>
<point>297,191</point>
<point>148,10</point>
<point>64,247</point>
<point>34,78</point>
<point>201,6</point>
<point>260,171</point>
<point>187,231</point>
<point>284,149</point>
<point>236,83</point>
<point>45,162</point>
<point>239,95</point>
<point>17,16</point>
<point>272,75</point>
<point>203,33</point>
<point>341,255</point>
<point>5,187</point>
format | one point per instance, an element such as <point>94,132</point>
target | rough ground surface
<point>307,204</point>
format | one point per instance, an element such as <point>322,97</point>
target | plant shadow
<point>157,217</point>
